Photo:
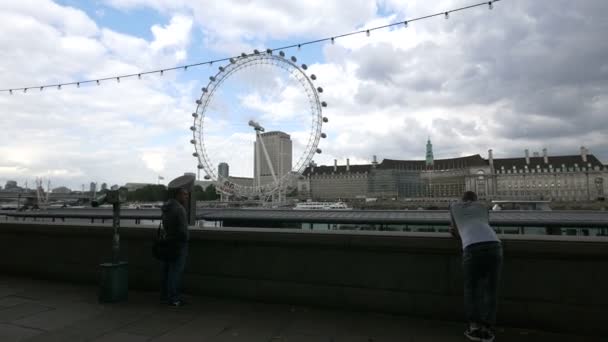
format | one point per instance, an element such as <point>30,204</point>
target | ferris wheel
<point>257,65</point>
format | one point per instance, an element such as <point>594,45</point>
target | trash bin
<point>114,282</point>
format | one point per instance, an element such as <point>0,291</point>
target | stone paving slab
<point>11,332</point>
<point>47,311</point>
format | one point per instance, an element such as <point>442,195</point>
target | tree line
<point>160,193</point>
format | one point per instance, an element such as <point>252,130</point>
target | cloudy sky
<point>527,74</point>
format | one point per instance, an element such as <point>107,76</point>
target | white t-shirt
<point>472,221</point>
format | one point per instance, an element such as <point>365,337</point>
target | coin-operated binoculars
<point>114,283</point>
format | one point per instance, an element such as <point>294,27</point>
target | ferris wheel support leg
<point>257,162</point>
<point>274,175</point>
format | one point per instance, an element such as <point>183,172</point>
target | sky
<point>525,75</point>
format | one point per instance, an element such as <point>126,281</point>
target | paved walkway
<point>33,310</point>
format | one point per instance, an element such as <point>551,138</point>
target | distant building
<point>279,148</point>
<point>93,187</point>
<point>61,190</point>
<point>223,170</point>
<point>559,178</point>
<point>243,181</point>
<point>104,186</point>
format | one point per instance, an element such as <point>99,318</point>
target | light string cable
<point>117,78</point>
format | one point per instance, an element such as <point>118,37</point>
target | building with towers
<point>580,177</point>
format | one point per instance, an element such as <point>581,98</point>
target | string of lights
<point>332,39</point>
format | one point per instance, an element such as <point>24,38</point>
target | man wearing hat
<point>175,223</point>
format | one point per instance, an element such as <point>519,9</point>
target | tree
<point>149,193</point>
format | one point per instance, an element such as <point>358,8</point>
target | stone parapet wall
<point>555,283</point>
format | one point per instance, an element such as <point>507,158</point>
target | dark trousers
<point>482,265</point>
<point>171,275</point>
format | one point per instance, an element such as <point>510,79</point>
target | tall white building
<point>279,148</point>
<point>223,170</point>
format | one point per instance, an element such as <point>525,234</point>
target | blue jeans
<point>482,265</point>
<point>171,275</point>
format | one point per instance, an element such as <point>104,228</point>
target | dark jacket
<point>175,221</point>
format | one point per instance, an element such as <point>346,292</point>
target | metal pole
<point>116,226</point>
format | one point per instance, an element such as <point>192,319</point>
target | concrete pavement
<point>34,310</point>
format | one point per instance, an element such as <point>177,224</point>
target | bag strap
<point>159,233</point>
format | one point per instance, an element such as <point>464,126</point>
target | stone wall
<point>550,282</point>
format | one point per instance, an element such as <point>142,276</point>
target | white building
<point>279,149</point>
<point>223,170</point>
<point>569,178</point>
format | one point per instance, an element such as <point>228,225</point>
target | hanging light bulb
<point>490,5</point>
<point>97,82</point>
<point>161,72</point>
<point>333,40</point>
<point>41,88</point>
<point>59,87</point>
<point>138,76</point>
<point>367,33</point>
<point>185,68</point>
<point>78,85</point>
<point>447,15</point>
<point>405,23</point>
<point>299,47</point>
<point>117,79</point>
<point>25,90</point>
<point>10,91</point>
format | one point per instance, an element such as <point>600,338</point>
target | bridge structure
<point>514,221</point>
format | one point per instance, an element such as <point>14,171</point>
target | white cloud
<point>77,135</point>
<point>233,26</point>
<point>526,75</point>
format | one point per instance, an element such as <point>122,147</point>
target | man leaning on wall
<point>481,263</point>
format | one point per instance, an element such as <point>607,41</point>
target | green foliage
<point>158,193</point>
<point>149,193</point>
<point>205,195</point>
